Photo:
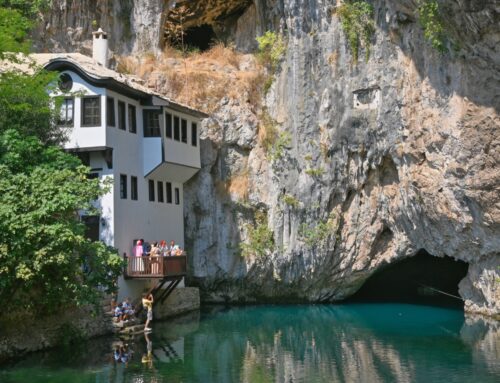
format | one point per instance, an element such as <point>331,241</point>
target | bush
<point>290,200</point>
<point>314,234</point>
<point>260,237</point>
<point>357,22</point>
<point>271,49</point>
<point>433,24</point>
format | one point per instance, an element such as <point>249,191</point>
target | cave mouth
<point>200,37</point>
<point>421,279</point>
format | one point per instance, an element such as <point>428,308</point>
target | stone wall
<point>24,334</point>
<point>181,301</point>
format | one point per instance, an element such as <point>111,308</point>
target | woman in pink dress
<point>138,252</point>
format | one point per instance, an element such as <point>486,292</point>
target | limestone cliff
<point>377,159</point>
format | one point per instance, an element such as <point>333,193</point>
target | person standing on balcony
<point>155,258</point>
<point>138,264</point>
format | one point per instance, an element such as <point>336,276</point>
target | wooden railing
<point>156,267</point>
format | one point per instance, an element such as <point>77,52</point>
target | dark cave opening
<point>421,279</point>
<point>200,37</point>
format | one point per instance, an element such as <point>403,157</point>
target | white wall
<point>124,220</point>
<point>179,152</point>
<point>85,137</point>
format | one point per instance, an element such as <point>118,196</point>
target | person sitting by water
<point>127,307</point>
<point>118,313</point>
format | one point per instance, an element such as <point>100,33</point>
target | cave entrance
<point>422,279</point>
<point>200,37</point>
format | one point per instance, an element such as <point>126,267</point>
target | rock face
<point>387,157</point>
<point>132,26</point>
<point>377,160</point>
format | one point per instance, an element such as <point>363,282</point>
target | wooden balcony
<point>156,267</point>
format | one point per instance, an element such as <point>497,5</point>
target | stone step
<point>135,329</point>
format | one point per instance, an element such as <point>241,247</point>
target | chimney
<point>100,47</point>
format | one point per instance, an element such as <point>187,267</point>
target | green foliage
<point>260,238</point>
<point>16,20</point>
<point>316,233</point>
<point>272,140</point>
<point>28,8</point>
<point>357,22</point>
<point>277,150</point>
<point>14,29</point>
<point>45,259</point>
<point>290,200</point>
<point>433,24</point>
<point>315,172</point>
<point>26,107</point>
<point>272,47</point>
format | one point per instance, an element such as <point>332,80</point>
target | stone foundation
<point>182,300</point>
<point>21,334</point>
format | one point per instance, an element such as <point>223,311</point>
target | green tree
<point>14,29</point>
<point>26,107</point>
<point>45,259</point>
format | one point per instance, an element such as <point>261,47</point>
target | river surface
<point>273,343</point>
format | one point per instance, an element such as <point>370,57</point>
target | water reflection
<point>350,343</point>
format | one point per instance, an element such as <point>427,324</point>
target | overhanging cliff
<point>377,159</point>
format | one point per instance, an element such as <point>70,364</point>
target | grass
<point>200,79</point>
<point>239,185</point>
<point>290,200</point>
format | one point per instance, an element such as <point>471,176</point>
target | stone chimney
<point>100,47</point>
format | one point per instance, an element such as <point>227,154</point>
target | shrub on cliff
<point>357,22</point>
<point>272,47</point>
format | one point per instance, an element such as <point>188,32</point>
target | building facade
<point>140,142</point>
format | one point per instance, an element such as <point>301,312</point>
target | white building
<point>146,144</point>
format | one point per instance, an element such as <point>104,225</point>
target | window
<point>184,131</point>
<point>133,188</point>
<point>66,112</point>
<point>151,190</point>
<point>91,111</point>
<point>123,186</point>
<point>122,123</point>
<point>110,111</point>
<point>176,128</point>
<point>132,119</point>
<point>177,196</point>
<point>194,134</point>
<point>168,122</point>
<point>151,123</point>
<point>160,192</point>
<point>169,192</point>
<point>65,82</point>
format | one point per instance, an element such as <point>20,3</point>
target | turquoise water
<point>323,343</point>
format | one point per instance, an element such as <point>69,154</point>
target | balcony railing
<point>156,267</point>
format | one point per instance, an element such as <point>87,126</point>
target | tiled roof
<point>92,69</point>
